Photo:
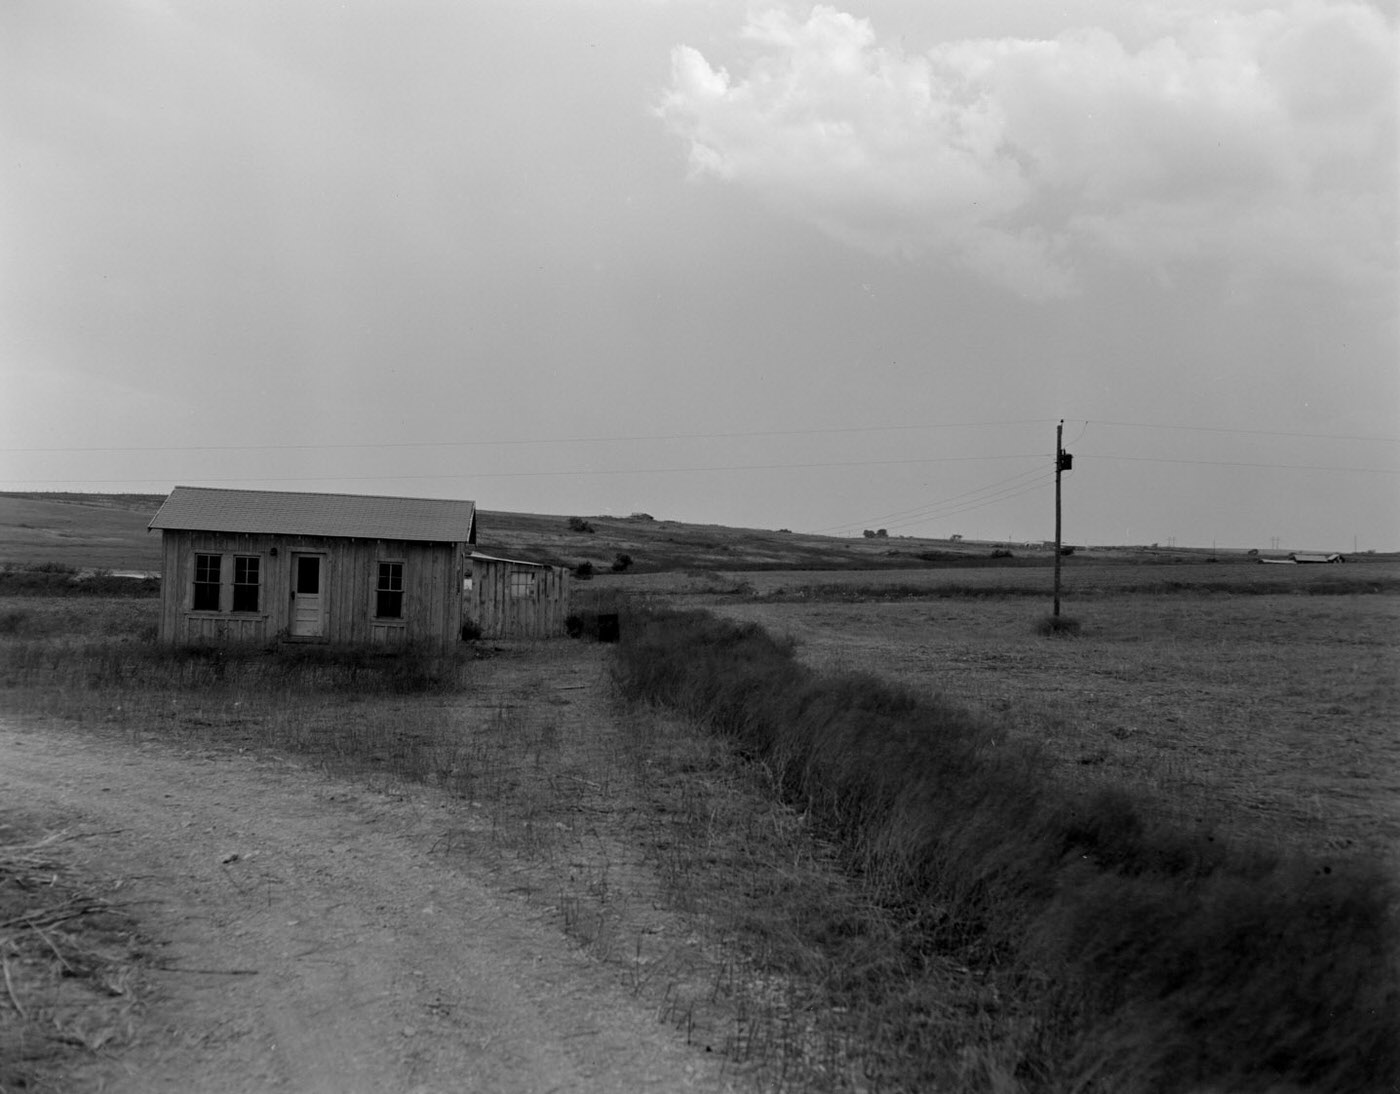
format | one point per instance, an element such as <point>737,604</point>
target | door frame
<point>323,569</point>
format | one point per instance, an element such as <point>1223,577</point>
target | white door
<point>308,603</point>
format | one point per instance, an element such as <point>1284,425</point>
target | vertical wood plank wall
<point>432,602</point>
<point>501,613</point>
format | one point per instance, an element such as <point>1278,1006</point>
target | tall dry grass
<point>889,893</point>
<point>1134,955</point>
<point>96,662</point>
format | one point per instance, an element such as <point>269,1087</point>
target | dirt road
<point>307,938</point>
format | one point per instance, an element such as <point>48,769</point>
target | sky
<point>820,267</point>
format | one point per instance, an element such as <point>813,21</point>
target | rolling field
<point>87,532</point>
<point>109,531</point>
<point>1260,697</point>
<point>1253,702</point>
<point>1269,709</point>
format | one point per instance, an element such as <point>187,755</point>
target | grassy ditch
<point>1128,954</point>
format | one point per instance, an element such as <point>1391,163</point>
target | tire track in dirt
<point>305,939</point>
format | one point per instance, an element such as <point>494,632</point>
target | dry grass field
<point>654,848</point>
<point>109,531</point>
<point>1271,712</point>
<point>1226,696</point>
<point>1265,695</point>
<point>88,532</point>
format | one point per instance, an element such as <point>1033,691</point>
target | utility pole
<point>1063,462</point>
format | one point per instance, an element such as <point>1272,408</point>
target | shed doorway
<point>308,602</point>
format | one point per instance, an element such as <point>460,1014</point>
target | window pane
<point>388,594</point>
<point>308,575</point>
<point>245,584</point>
<point>206,582</point>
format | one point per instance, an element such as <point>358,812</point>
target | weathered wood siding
<point>518,600</point>
<point>433,575</point>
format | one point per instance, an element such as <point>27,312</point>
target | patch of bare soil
<point>304,933</point>
<point>68,959</point>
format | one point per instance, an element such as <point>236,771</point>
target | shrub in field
<point>578,524</point>
<point>582,625</point>
<point>622,563</point>
<point>1058,626</point>
<point>15,621</point>
<point>404,670</point>
<point>1156,958</point>
<point>583,571</point>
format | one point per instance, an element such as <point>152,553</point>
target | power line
<point>1248,432</point>
<point>938,510</point>
<point>982,503</point>
<point>929,510</point>
<point>923,512</point>
<point>379,445</point>
<point>1241,463</point>
<point>932,504</point>
<point>543,474</point>
<point>635,438</point>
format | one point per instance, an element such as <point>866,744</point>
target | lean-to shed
<point>510,598</point>
<point>262,565</point>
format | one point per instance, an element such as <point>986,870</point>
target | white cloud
<point>1259,138</point>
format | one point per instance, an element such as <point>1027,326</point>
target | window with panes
<point>247,578</point>
<point>206,582</point>
<point>388,591</point>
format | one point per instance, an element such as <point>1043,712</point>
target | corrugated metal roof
<point>358,516</point>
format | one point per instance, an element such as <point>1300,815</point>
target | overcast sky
<point>763,264</point>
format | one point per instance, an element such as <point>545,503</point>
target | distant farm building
<point>1303,557</point>
<point>261,566</point>
<point>509,598</point>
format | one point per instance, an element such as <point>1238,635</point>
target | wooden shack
<point>510,598</point>
<point>261,566</point>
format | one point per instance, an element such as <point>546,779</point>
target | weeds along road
<point>305,938</point>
